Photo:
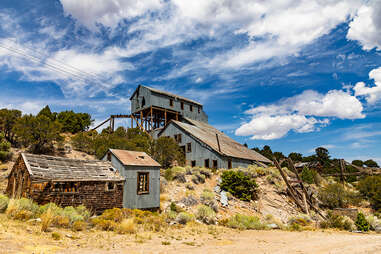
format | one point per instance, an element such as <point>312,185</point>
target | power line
<point>62,68</point>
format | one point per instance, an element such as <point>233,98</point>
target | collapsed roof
<point>226,146</point>
<point>50,168</point>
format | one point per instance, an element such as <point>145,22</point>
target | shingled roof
<point>167,94</point>
<point>50,168</point>
<point>207,134</point>
<point>134,158</point>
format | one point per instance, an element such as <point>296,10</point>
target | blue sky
<point>292,74</point>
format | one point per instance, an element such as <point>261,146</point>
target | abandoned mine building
<point>142,174</point>
<point>161,113</point>
<point>66,182</point>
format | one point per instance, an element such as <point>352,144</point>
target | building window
<point>143,102</point>
<point>109,156</point>
<point>229,163</point>
<point>214,163</point>
<point>171,102</point>
<point>193,164</point>
<point>199,110</point>
<point>191,108</point>
<point>182,105</point>
<point>206,163</point>
<point>143,183</point>
<point>189,147</point>
<point>178,138</point>
<point>110,186</point>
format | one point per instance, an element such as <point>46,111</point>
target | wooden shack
<point>66,182</point>
<point>142,174</point>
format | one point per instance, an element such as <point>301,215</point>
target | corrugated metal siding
<point>130,197</point>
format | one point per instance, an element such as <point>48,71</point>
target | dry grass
<point>47,219</point>
<point>127,226</point>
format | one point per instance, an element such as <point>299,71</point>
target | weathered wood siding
<point>18,180</point>
<point>162,101</point>
<point>200,151</point>
<point>93,195</point>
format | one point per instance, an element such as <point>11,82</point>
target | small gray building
<point>142,178</point>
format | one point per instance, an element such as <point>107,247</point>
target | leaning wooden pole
<point>289,187</point>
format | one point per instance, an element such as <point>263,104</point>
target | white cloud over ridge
<point>302,113</point>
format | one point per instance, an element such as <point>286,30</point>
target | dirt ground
<point>22,237</point>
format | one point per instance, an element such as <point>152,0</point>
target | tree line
<point>38,132</point>
<point>164,150</point>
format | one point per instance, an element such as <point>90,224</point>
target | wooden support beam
<point>165,117</point>
<point>102,123</point>
<point>151,118</point>
<point>342,166</point>
<point>289,187</point>
<point>141,118</point>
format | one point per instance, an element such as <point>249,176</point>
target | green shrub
<point>239,185</point>
<point>337,221</point>
<point>79,226</point>
<point>206,214</point>
<point>370,187</point>
<point>207,195</point>
<point>243,222</point>
<point>308,175</point>
<point>175,208</point>
<point>171,173</point>
<point>22,209</point>
<point>184,218</point>
<point>335,195</point>
<point>5,147</point>
<point>56,236</point>
<point>4,200</point>
<point>361,223</point>
<point>302,220</point>
<point>71,213</point>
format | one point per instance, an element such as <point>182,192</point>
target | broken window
<point>143,183</point>
<point>189,147</point>
<point>229,163</point>
<point>110,186</point>
<point>109,156</point>
<point>191,108</point>
<point>143,102</point>
<point>215,164</point>
<point>199,110</point>
<point>171,102</point>
<point>206,163</point>
<point>178,138</point>
<point>182,105</point>
<point>193,164</point>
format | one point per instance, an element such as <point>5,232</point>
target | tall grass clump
<point>184,218</point>
<point>22,209</point>
<point>206,214</point>
<point>243,222</point>
<point>4,200</point>
<point>127,226</point>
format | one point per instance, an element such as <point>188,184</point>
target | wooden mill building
<point>166,114</point>
<point>142,178</point>
<point>160,113</point>
<point>66,182</point>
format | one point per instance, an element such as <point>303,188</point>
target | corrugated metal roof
<point>134,158</point>
<point>167,94</point>
<point>227,146</point>
<point>50,168</point>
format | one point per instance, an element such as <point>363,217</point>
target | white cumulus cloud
<point>305,112</point>
<point>366,26</point>
<point>372,94</point>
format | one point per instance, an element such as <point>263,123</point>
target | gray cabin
<point>142,178</point>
